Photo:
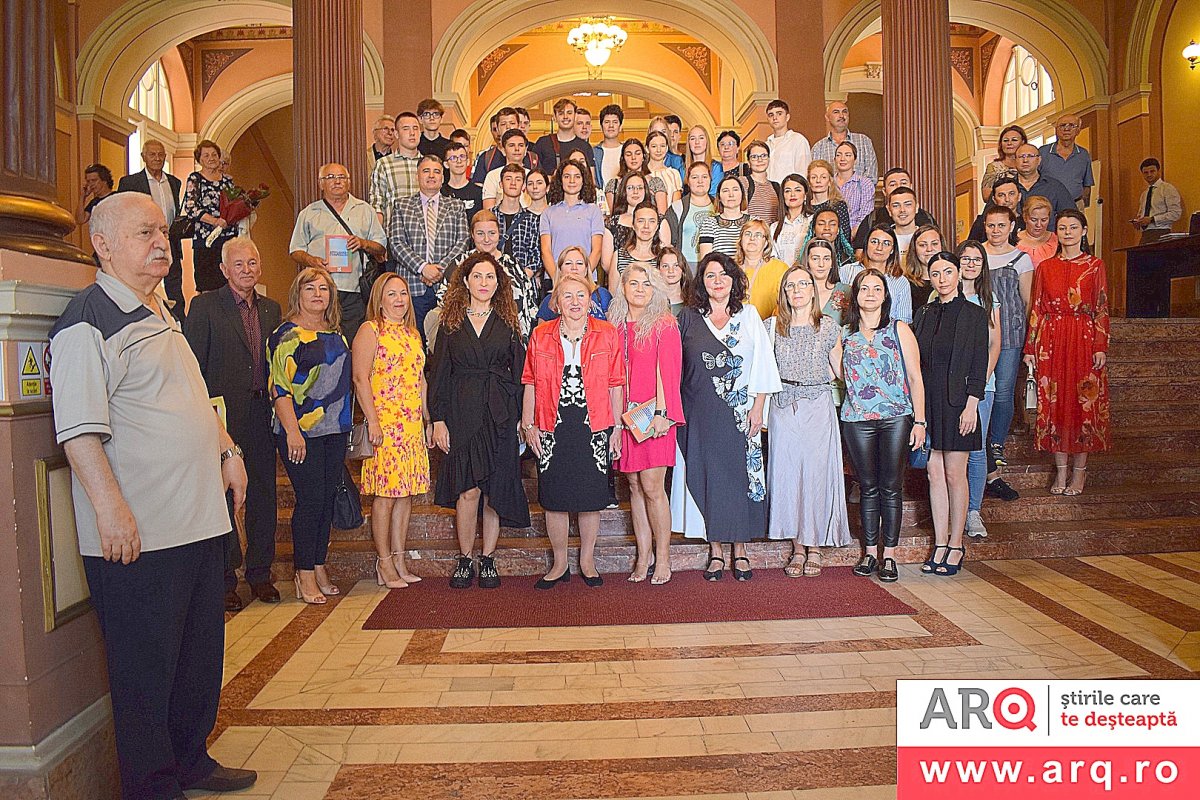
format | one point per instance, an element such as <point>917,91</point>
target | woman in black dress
<point>474,404</point>
<point>952,335</point>
<point>571,421</point>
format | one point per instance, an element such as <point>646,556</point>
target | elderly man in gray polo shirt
<point>364,239</point>
<point>150,464</point>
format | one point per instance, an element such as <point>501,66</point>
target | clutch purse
<point>360,447</point>
<point>638,418</point>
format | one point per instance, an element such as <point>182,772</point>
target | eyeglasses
<point>879,242</point>
<point>977,260</point>
<point>335,177</point>
<point>754,236</point>
<point>759,156</point>
<point>1068,124</point>
<point>430,114</point>
<point>797,284</point>
<point>1027,156</point>
<point>456,159</point>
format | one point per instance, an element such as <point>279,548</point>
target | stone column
<point>30,220</point>
<point>329,108</point>
<point>801,66</point>
<point>917,98</point>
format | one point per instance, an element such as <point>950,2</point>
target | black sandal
<point>742,574</point>
<point>888,572</point>
<point>865,566</point>
<point>711,574</point>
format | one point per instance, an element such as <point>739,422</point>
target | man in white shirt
<point>790,152</point>
<point>161,185</point>
<point>607,154</point>
<point>514,145</point>
<point>902,205</point>
<point>1160,205</point>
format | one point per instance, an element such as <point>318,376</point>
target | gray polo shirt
<point>316,221</point>
<point>121,371</point>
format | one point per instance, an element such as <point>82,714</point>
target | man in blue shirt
<point>1067,162</point>
<point>1031,181</point>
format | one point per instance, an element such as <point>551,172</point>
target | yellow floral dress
<point>400,466</point>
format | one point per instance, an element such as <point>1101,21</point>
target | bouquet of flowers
<point>237,204</point>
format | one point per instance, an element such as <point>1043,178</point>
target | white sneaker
<point>975,526</point>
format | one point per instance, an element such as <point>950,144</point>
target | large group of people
<point>738,330</point>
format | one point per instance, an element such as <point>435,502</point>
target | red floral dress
<point>1068,323</point>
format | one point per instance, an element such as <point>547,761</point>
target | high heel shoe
<point>413,579</point>
<point>399,583</point>
<point>1071,491</point>
<point>328,591</point>
<point>311,599</point>
<point>1057,488</point>
<point>946,568</point>
<point>932,562</point>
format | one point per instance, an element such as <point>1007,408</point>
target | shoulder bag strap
<point>362,254</point>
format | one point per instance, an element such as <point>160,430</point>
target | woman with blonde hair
<point>762,270</point>
<point>474,405</point>
<point>570,419</point>
<point>699,150</point>
<point>573,261</point>
<point>1036,238</point>
<point>388,364</point>
<point>826,195</point>
<point>310,383</point>
<point>804,474</point>
<point>652,350</point>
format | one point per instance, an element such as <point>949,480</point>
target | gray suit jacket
<point>407,241</point>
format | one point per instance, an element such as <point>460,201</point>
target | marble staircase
<point>1142,496</point>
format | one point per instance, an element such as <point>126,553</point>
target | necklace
<point>575,339</point>
<point>483,313</point>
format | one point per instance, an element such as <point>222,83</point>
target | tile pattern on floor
<point>763,710</point>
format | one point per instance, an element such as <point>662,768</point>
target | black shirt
<point>433,147</point>
<point>979,232</point>
<point>471,195</point>
<point>551,152</point>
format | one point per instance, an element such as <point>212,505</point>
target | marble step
<point>1153,350</point>
<point>522,556</point>
<point>1141,330</point>
<point>431,525</point>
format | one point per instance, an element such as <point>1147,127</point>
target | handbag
<point>347,504</point>
<point>181,228</point>
<point>360,447</point>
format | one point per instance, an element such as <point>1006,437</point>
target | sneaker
<point>998,488</point>
<point>464,573</point>
<point>996,452</point>
<point>489,576</point>
<point>975,526</point>
<point>855,493</point>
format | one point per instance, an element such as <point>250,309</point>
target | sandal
<point>888,572</point>
<point>711,574</point>
<point>1071,491</point>
<point>1060,480</point>
<point>946,568</point>
<point>931,564</point>
<point>812,566</point>
<point>795,566</point>
<point>742,574</point>
<point>660,577</point>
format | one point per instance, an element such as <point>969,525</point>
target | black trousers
<point>354,313</point>
<point>879,450</point>
<point>257,441</point>
<point>163,622</point>
<point>206,265</point>
<point>315,480</point>
<point>173,283</point>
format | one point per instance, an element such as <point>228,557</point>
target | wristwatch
<point>660,412</point>
<point>236,450</point>
<point>528,427</point>
<point>922,423</point>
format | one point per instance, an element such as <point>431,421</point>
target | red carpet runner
<point>432,604</point>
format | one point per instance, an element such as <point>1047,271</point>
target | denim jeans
<point>1006,386</point>
<point>977,462</point>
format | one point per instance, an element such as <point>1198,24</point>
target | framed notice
<point>64,586</point>
<point>337,252</point>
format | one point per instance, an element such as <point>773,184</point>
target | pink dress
<point>1038,252</point>
<point>662,353</point>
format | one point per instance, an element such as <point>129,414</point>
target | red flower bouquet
<point>237,204</point>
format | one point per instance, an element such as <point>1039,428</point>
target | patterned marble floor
<point>762,710</point>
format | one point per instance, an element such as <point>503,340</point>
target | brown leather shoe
<point>265,592</point>
<point>233,602</point>
<point>226,779</point>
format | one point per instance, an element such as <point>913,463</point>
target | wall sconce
<point>1192,53</point>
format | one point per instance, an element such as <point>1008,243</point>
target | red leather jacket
<point>602,365</point>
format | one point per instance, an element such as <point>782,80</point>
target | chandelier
<point>596,38</point>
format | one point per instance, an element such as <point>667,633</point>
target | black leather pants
<point>879,450</point>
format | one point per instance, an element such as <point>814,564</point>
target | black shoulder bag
<point>371,269</point>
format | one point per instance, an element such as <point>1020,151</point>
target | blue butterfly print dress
<point>718,489</point>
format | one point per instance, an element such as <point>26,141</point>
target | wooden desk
<point>1149,269</point>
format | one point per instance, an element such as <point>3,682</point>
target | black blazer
<point>214,330</point>
<point>140,182</point>
<point>969,359</point>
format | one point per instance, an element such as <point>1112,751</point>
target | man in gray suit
<point>227,329</point>
<point>155,181</point>
<point>427,232</point>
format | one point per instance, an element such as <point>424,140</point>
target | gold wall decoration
<point>492,61</point>
<point>214,62</point>
<point>963,61</point>
<point>698,57</point>
<point>65,592</point>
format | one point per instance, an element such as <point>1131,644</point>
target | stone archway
<point>1058,36</point>
<point>235,116</point>
<point>738,42</point>
<point>120,50</point>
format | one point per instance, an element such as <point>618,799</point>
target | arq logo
<point>1012,709</point>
